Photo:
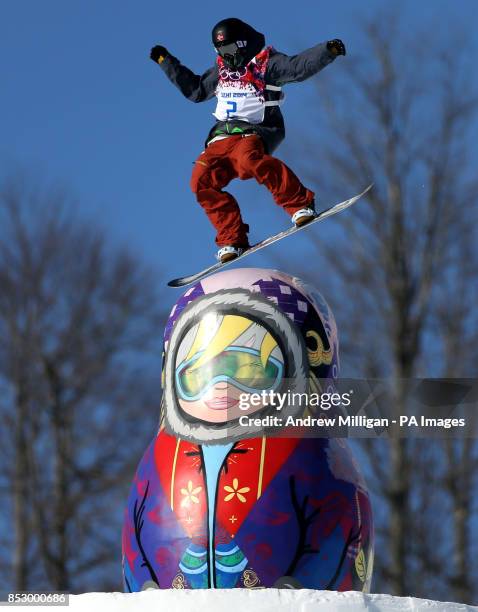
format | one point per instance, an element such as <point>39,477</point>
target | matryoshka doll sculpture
<point>219,504</point>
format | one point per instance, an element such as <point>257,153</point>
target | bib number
<point>232,108</point>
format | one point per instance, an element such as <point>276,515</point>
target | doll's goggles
<point>239,366</point>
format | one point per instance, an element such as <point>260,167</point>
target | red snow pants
<point>242,157</point>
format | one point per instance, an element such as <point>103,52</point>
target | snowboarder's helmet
<point>236,41</point>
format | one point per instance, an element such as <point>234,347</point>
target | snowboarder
<point>246,79</point>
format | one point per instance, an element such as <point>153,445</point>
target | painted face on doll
<point>222,361</point>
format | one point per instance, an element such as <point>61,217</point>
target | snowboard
<point>321,216</point>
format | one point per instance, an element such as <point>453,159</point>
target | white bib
<point>241,102</point>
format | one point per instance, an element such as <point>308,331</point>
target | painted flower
<point>235,490</point>
<point>190,494</point>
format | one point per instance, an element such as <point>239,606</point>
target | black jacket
<point>281,69</point>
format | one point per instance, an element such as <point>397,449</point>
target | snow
<point>250,600</point>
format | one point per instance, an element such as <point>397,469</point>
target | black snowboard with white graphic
<point>328,212</point>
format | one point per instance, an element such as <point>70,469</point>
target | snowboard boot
<point>303,216</point>
<point>228,253</point>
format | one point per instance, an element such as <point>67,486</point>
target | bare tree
<point>405,265</point>
<point>80,324</point>
<point>456,321</point>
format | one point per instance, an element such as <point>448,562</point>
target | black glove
<point>158,53</point>
<point>336,47</point>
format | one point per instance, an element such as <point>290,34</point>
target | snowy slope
<point>246,600</point>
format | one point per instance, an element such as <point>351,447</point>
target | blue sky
<point>81,103</point>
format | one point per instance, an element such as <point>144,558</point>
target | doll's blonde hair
<point>213,336</point>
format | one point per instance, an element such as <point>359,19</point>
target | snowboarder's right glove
<point>336,46</point>
<point>158,53</point>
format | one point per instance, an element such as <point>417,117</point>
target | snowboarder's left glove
<point>158,53</point>
<point>336,47</point>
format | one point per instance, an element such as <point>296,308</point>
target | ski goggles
<point>227,49</point>
<point>239,366</point>
<point>231,53</point>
